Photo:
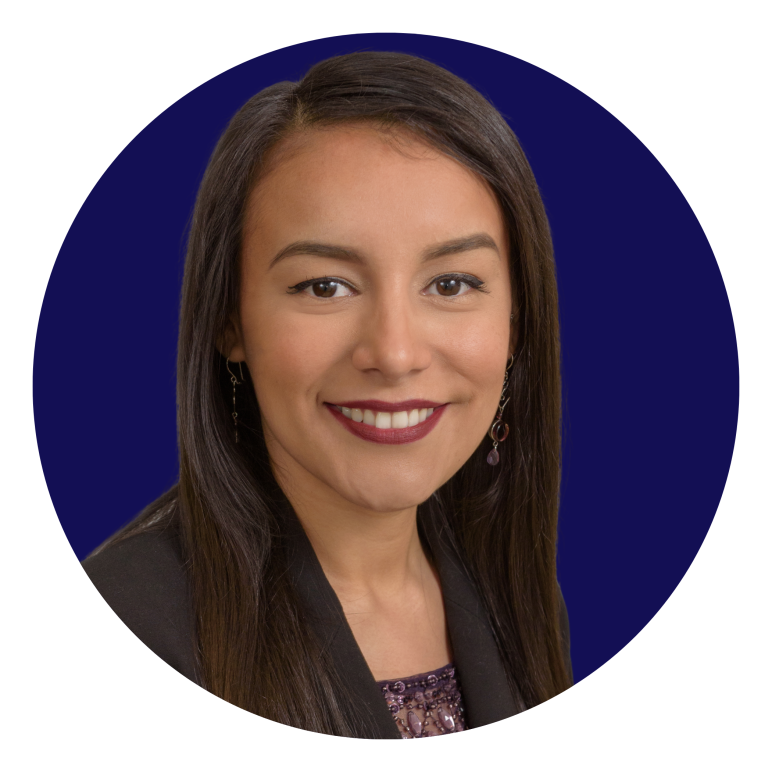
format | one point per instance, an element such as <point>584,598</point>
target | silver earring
<point>499,430</point>
<point>236,382</point>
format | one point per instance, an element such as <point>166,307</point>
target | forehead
<point>362,183</point>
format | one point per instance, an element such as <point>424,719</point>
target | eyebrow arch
<point>452,247</point>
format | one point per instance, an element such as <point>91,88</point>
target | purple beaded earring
<point>499,430</point>
<point>236,382</point>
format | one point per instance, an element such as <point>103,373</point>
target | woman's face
<point>374,288</point>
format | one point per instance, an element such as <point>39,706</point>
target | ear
<point>231,344</point>
<point>514,332</point>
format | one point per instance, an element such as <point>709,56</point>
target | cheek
<point>286,356</point>
<point>480,354</point>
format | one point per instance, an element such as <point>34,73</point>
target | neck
<point>363,549</point>
<point>359,549</point>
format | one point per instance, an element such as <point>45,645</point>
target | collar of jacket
<point>481,674</point>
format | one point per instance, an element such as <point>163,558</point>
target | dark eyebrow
<point>452,247</point>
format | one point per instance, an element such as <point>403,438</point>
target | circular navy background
<point>651,380</point>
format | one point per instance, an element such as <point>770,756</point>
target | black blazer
<point>143,580</point>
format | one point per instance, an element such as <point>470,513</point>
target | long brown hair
<point>252,647</point>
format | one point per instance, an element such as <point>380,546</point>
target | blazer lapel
<point>328,622</point>
<point>481,675</point>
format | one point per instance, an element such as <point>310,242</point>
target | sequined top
<point>427,704</point>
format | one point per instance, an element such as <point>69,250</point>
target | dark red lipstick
<point>377,406</point>
<point>389,436</point>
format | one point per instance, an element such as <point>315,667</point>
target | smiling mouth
<point>385,420</point>
<point>386,428</point>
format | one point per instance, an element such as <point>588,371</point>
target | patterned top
<point>427,704</point>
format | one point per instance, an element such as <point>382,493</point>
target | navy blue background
<point>651,380</point>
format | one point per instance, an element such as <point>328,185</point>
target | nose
<point>392,341</point>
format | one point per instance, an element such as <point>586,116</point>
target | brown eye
<point>449,287</point>
<point>325,289</point>
<point>455,285</point>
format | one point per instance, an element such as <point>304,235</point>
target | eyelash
<point>471,281</point>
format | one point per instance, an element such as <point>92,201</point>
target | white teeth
<point>380,420</point>
<point>399,420</point>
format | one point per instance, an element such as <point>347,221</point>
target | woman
<point>362,539</point>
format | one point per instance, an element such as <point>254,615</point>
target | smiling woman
<point>369,310</point>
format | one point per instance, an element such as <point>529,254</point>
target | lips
<point>370,416</point>
<point>377,406</point>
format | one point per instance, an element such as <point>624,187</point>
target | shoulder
<point>143,580</point>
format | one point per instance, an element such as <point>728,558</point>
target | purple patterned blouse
<point>427,704</point>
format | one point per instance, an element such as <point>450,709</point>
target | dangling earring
<point>499,430</point>
<point>236,382</point>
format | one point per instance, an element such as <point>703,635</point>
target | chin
<point>388,495</point>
